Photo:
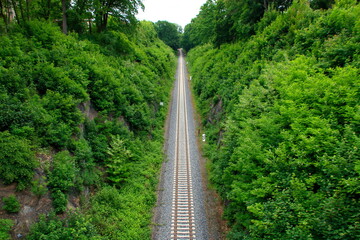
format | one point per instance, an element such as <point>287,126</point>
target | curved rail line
<point>183,221</point>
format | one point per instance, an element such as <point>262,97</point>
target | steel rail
<point>183,221</point>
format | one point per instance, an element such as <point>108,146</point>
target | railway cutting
<point>180,213</point>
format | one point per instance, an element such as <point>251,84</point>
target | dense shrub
<point>17,160</point>
<point>5,227</point>
<point>11,204</point>
<point>61,179</point>
<point>75,226</point>
<point>59,201</point>
<point>125,212</point>
<point>62,176</point>
<point>73,98</point>
<point>39,187</point>
<point>87,174</point>
<point>281,113</point>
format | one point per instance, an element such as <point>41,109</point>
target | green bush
<point>122,214</point>
<point>281,114</point>
<point>11,204</point>
<point>39,187</point>
<point>75,226</point>
<point>63,172</point>
<point>17,160</point>
<point>61,178</point>
<point>119,161</point>
<point>59,201</point>
<point>87,174</point>
<point>5,227</point>
<point>47,78</point>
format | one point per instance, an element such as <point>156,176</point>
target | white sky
<point>175,11</point>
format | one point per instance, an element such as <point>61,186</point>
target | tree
<point>186,42</point>
<point>4,12</point>
<point>321,4</point>
<point>79,16</point>
<point>118,164</point>
<point>226,21</point>
<point>64,16</point>
<point>169,33</point>
<point>122,10</point>
<point>202,29</point>
<point>246,13</point>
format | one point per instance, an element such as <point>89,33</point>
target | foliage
<point>5,227</point>
<point>281,113</point>
<point>202,29</point>
<point>59,201</point>
<point>11,204</point>
<point>121,11</point>
<point>118,165</point>
<point>61,179</point>
<point>74,15</point>
<point>39,187</point>
<point>17,160</point>
<point>63,173</point>
<point>75,226</point>
<point>86,173</point>
<point>77,98</point>
<point>228,21</point>
<point>125,212</point>
<point>169,32</point>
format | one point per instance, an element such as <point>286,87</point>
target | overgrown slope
<point>87,114</point>
<point>282,115</point>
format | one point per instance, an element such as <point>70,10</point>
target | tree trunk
<point>265,4</point>
<point>105,21</point>
<point>3,15</point>
<point>47,12</point>
<point>22,11</point>
<point>15,10</point>
<point>28,9</point>
<point>101,26</point>
<point>90,26</point>
<point>64,18</point>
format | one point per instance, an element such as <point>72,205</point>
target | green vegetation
<point>85,108</point>
<point>279,98</point>
<point>11,204</point>
<point>5,227</point>
<point>79,16</point>
<point>170,33</point>
<point>75,226</point>
<point>39,187</point>
<point>17,160</point>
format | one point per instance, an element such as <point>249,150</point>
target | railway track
<point>182,218</point>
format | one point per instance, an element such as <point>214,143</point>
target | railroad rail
<point>183,220</point>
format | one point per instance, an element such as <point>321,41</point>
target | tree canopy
<point>81,113</point>
<point>170,33</point>
<point>78,15</point>
<point>278,92</point>
<point>227,21</point>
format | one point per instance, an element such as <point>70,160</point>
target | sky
<point>175,11</point>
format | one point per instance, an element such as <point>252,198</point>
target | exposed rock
<point>88,110</point>
<point>31,207</point>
